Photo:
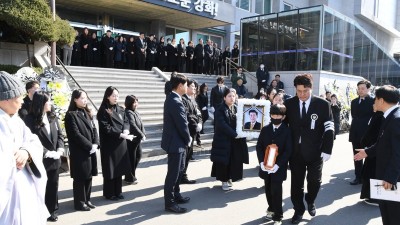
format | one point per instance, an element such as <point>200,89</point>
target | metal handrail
<point>235,65</point>
<point>76,83</point>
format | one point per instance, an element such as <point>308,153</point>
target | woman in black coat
<point>162,55</point>
<point>83,143</point>
<point>172,54</point>
<point>369,167</point>
<point>202,102</point>
<point>94,50</point>
<point>130,53</point>
<point>136,128</point>
<point>228,153</point>
<point>336,108</point>
<point>43,122</point>
<point>113,132</point>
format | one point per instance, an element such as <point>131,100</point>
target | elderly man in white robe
<point>23,177</point>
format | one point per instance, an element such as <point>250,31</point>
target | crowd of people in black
<point>143,53</point>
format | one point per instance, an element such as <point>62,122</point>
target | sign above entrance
<point>205,8</point>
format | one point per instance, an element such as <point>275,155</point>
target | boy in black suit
<point>275,133</point>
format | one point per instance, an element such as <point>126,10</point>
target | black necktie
<point>275,129</point>
<point>303,111</point>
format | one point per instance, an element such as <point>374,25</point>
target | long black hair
<point>105,103</point>
<point>72,105</point>
<point>37,108</point>
<point>202,87</point>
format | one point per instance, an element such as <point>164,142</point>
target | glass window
<point>287,6</point>
<point>263,6</point>
<point>169,33</point>
<point>243,4</point>
<point>308,38</point>
<point>182,34</point>
<point>268,41</point>
<point>287,40</point>
<point>201,36</point>
<point>217,40</point>
<point>249,57</point>
<point>357,60</point>
<point>349,49</point>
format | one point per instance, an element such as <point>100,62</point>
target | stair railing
<point>230,64</point>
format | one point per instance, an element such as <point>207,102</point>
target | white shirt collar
<point>276,126</point>
<point>388,111</point>
<point>308,101</point>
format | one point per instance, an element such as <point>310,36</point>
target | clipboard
<point>378,192</point>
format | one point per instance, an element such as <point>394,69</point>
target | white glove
<point>262,81</point>
<point>263,167</point>
<point>237,136</point>
<point>125,132</point>
<point>143,138</point>
<point>325,157</point>
<point>52,154</point>
<point>190,141</point>
<point>204,108</point>
<point>274,169</point>
<point>111,48</point>
<point>199,127</point>
<point>212,109</point>
<point>94,49</point>
<point>127,136</point>
<point>152,52</point>
<point>94,148</point>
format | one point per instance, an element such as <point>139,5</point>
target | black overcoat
<point>360,114</point>
<point>114,151</point>
<point>50,142</point>
<point>283,139</point>
<point>82,134</point>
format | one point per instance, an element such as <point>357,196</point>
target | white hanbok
<point>21,193</point>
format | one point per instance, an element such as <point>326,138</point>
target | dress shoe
<point>373,202</point>
<point>296,219</point>
<point>269,215</point>
<point>175,209</point>
<point>355,182</point>
<point>120,196</point>
<point>311,209</point>
<point>112,198</point>
<point>182,200</point>
<point>90,205</point>
<point>187,181</point>
<point>83,207</point>
<point>278,222</point>
<point>52,218</point>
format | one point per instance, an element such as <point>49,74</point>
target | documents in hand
<point>378,192</point>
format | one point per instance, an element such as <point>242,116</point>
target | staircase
<point>148,87</point>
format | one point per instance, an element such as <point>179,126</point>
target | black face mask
<point>276,121</point>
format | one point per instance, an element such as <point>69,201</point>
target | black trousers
<point>390,212</point>
<point>273,192</point>
<point>108,60</point>
<point>135,154</point>
<point>199,65</point>
<point>298,168</point>
<point>82,191</point>
<point>51,196</point>
<point>140,60</point>
<point>207,65</point>
<point>189,154</point>
<point>112,187</point>
<point>189,65</point>
<point>358,165</point>
<point>176,165</point>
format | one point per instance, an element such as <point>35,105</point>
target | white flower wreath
<point>244,106</point>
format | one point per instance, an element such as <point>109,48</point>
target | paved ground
<point>338,202</point>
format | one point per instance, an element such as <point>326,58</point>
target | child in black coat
<point>277,133</point>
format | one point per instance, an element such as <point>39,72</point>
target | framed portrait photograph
<point>252,116</point>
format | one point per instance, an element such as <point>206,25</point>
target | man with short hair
<point>31,87</point>
<point>175,141</point>
<point>252,124</point>
<point>199,57</point>
<point>23,177</point>
<point>262,75</point>
<point>280,83</point>
<point>140,51</point>
<point>361,112</point>
<point>208,55</point>
<point>310,120</point>
<point>151,51</point>
<point>238,74</point>
<point>217,93</point>
<point>108,50</point>
<point>387,150</point>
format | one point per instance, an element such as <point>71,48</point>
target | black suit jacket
<point>257,126</point>
<point>283,139</point>
<point>208,52</point>
<point>175,136</point>
<point>50,142</point>
<point>82,134</point>
<point>139,46</point>
<point>193,114</point>
<point>386,149</point>
<point>360,114</point>
<point>217,97</point>
<point>313,141</point>
<point>262,75</point>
